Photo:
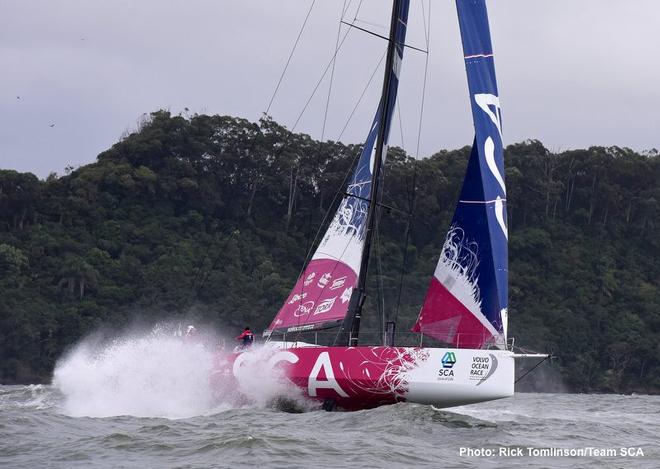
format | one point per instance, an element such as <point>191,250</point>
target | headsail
<point>321,296</point>
<point>467,301</point>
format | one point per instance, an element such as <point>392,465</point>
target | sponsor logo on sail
<point>303,309</point>
<point>338,283</point>
<point>323,281</point>
<point>325,306</point>
<point>346,295</point>
<point>309,278</point>
<point>297,297</point>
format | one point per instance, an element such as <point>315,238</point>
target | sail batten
<point>467,300</point>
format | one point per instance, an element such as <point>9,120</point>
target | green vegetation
<point>210,218</point>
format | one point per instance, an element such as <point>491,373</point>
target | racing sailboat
<point>465,310</point>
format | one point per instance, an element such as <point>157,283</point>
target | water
<point>144,401</point>
<point>35,431</point>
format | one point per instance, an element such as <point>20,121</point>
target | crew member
<point>247,337</point>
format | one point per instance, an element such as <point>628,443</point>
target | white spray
<point>155,374</point>
<point>260,380</point>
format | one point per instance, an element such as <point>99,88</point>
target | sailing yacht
<point>465,309</point>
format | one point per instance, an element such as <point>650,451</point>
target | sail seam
<point>475,56</point>
<point>482,201</point>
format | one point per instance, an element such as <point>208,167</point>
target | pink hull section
<point>366,377</point>
<point>445,318</point>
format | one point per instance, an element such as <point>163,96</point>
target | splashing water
<point>153,375</point>
<point>261,383</point>
<point>158,374</point>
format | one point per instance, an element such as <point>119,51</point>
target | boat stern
<point>452,377</point>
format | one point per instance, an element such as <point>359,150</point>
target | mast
<point>352,321</point>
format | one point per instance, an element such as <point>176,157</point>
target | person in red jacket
<point>247,337</point>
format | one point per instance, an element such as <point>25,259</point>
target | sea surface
<point>36,432</point>
<point>142,401</point>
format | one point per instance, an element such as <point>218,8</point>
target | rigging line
<point>286,66</point>
<point>379,267</point>
<point>403,266</point>
<point>426,36</point>
<point>308,257</point>
<point>311,250</point>
<point>409,224</point>
<point>346,7</point>
<point>320,80</point>
<point>398,111</point>
<point>532,369</point>
<point>380,204</point>
<point>195,289</point>
<point>352,25</point>
<point>340,330</point>
<point>341,256</point>
<point>196,277</point>
<point>332,203</point>
<point>376,25</point>
<point>361,96</point>
<point>326,69</point>
<point>426,68</point>
<point>214,264</point>
<point>307,250</point>
<point>332,73</point>
<point>357,11</point>
<point>409,229</point>
<point>348,172</point>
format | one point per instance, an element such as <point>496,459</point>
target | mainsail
<point>322,293</point>
<point>467,301</point>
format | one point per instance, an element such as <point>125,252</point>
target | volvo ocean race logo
<point>483,368</point>
<point>448,360</point>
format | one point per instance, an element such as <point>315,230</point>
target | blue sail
<point>467,302</point>
<point>320,297</point>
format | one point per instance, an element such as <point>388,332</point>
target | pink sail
<point>320,297</point>
<point>323,291</point>
<point>445,318</point>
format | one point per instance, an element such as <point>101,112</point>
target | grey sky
<point>571,73</point>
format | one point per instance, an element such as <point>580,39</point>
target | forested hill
<point>209,218</point>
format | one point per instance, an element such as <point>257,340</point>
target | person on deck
<point>247,337</point>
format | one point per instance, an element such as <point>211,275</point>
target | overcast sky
<point>75,75</point>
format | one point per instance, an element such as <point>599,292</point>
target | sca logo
<point>448,360</point>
